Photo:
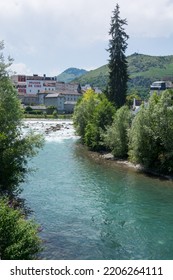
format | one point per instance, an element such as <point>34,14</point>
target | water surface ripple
<point>92,210</point>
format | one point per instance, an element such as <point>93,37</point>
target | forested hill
<point>70,74</point>
<point>143,70</point>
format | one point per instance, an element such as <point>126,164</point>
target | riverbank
<point>56,129</point>
<point>109,158</point>
<point>128,213</point>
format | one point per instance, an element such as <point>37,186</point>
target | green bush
<point>83,112</point>
<point>28,109</point>
<point>102,117</point>
<point>91,116</point>
<point>151,134</point>
<point>36,112</point>
<point>18,237</point>
<point>55,114</point>
<point>15,148</point>
<point>50,110</point>
<point>116,136</point>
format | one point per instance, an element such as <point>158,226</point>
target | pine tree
<point>118,68</point>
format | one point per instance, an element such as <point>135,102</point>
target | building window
<point>21,78</point>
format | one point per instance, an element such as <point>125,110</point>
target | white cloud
<point>20,68</point>
<point>52,33</point>
<point>148,18</point>
<point>83,18</point>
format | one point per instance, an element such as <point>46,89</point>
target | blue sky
<point>49,36</point>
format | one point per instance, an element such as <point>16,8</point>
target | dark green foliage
<point>143,71</point>
<point>28,109</point>
<point>55,114</point>
<point>83,112</point>
<point>36,112</point>
<point>102,117</point>
<point>116,136</point>
<point>70,74</point>
<point>79,89</point>
<point>151,134</point>
<point>91,116</point>
<point>118,73</point>
<point>141,84</point>
<point>15,148</point>
<point>18,237</point>
<point>139,63</point>
<point>50,109</point>
<point>97,77</point>
<point>130,98</point>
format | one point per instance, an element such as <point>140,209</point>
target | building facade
<point>43,90</point>
<point>63,101</point>
<point>33,84</point>
<point>160,86</point>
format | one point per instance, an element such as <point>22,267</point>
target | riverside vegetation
<point>18,236</point>
<point>103,121</point>
<point>145,138</point>
<point>106,122</point>
<point>143,71</point>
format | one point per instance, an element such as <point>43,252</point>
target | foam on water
<point>64,131</point>
<point>93,210</point>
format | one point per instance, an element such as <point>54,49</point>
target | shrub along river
<point>90,209</point>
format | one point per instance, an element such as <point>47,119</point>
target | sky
<point>49,36</point>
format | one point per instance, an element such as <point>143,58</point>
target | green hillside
<point>97,77</point>
<point>70,74</point>
<point>143,70</point>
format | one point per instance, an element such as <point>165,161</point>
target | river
<point>90,209</point>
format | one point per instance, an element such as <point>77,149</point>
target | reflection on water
<point>92,209</point>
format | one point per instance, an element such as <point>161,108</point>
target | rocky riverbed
<point>51,129</point>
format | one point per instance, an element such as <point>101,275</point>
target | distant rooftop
<point>52,95</point>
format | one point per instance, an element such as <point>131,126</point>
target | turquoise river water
<point>90,209</point>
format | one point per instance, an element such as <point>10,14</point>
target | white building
<point>160,86</point>
<point>43,90</point>
<point>33,84</point>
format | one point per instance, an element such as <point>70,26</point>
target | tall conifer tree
<point>118,68</point>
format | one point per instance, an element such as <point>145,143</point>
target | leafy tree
<point>15,148</point>
<point>102,117</point>
<point>91,116</point>
<point>4,65</point>
<point>50,109</point>
<point>116,136</point>
<point>130,98</point>
<point>118,68</point>
<point>55,114</point>
<point>83,112</point>
<point>28,109</point>
<point>18,237</point>
<point>151,134</point>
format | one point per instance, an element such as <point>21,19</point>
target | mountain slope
<point>143,70</point>
<point>70,74</point>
